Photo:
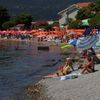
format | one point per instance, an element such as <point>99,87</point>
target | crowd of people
<point>86,64</point>
<point>16,36</point>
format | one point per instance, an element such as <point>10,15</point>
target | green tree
<point>56,23</point>
<point>74,24</point>
<point>4,16</point>
<point>97,6</point>
<point>24,18</point>
<point>47,27</point>
<point>8,25</point>
<point>95,21</point>
<point>84,13</point>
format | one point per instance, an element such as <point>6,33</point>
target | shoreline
<point>36,91</point>
<point>85,87</point>
<point>40,43</point>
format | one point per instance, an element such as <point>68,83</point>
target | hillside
<point>40,9</point>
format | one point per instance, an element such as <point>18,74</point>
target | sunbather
<point>88,67</point>
<point>64,70</point>
<point>91,52</point>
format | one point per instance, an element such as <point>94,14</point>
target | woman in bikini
<point>66,69</point>
<point>88,67</point>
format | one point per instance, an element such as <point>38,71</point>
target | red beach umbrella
<point>56,27</point>
<point>41,35</point>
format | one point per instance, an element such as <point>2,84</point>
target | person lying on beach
<point>88,67</point>
<point>63,70</point>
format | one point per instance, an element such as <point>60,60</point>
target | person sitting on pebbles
<point>88,67</point>
<point>63,70</point>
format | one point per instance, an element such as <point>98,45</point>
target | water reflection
<point>21,64</point>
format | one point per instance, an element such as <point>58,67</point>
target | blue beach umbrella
<point>98,43</point>
<point>98,34</point>
<point>74,42</point>
<point>87,42</point>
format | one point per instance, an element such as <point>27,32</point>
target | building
<point>69,13</point>
<point>18,27</point>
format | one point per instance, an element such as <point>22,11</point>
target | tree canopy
<point>24,18</point>
<point>92,12</point>
<point>95,21</point>
<point>74,24</point>
<point>4,16</point>
<point>97,6</point>
<point>84,13</point>
<point>8,25</point>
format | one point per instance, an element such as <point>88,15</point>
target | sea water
<point>21,65</point>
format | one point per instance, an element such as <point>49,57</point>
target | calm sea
<point>21,65</point>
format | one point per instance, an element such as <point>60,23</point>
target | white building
<point>70,12</point>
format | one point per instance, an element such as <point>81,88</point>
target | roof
<point>77,6</point>
<point>83,4</point>
<point>67,9</point>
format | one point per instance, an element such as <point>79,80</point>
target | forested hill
<point>40,9</point>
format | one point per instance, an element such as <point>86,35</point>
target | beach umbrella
<point>98,43</point>
<point>33,31</point>
<point>87,42</point>
<point>41,35</point>
<point>98,35</point>
<point>79,31</point>
<point>52,35</point>
<point>1,32</point>
<point>74,42</point>
<point>72,33</point>
<point>56,27</point>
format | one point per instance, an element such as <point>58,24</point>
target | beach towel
<point>72,76</point>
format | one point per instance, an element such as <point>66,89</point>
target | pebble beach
<point>85,87</point>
